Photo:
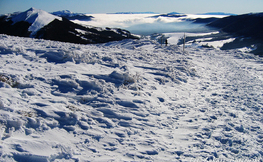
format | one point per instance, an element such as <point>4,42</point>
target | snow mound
<point>38,18</point>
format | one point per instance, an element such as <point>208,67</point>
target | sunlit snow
<point>128,100</point>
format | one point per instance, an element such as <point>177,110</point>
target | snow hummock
<point>38,18</point>
<point>132,100</point>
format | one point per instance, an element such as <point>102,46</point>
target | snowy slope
<point>132,100</point>
<point>38,19</point>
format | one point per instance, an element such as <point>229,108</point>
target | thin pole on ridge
<point>162,40</point>
<point>184,43</point>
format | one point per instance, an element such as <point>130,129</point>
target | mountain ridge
<point>35,17</point>
<point>248,25</point>
<point>35,23</point>
<point>135,13</point>
<point>216,13</point>
<point>72,16</point>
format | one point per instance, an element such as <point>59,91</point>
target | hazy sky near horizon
<point>111,6</point>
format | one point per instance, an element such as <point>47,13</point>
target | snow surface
<point>38,18</point>
<point>133,100</point>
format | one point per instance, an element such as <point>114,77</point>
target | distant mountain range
<point>216,13</point>
<point>135,13</point>
<point>37,23</point>
<point>174,15</point>
<point>72,16</point>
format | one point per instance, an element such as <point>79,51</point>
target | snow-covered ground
<point>132,100</point>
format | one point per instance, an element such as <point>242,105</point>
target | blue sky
<point>110,6</point>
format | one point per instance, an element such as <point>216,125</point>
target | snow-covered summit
<point>63,12</point>
<point>72,16</point>
<point>174,13</point>
<point>38,18</point>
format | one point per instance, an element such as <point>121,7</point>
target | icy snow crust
<point>132,100</point>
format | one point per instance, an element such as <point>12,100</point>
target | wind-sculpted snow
<point>132,100</point>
